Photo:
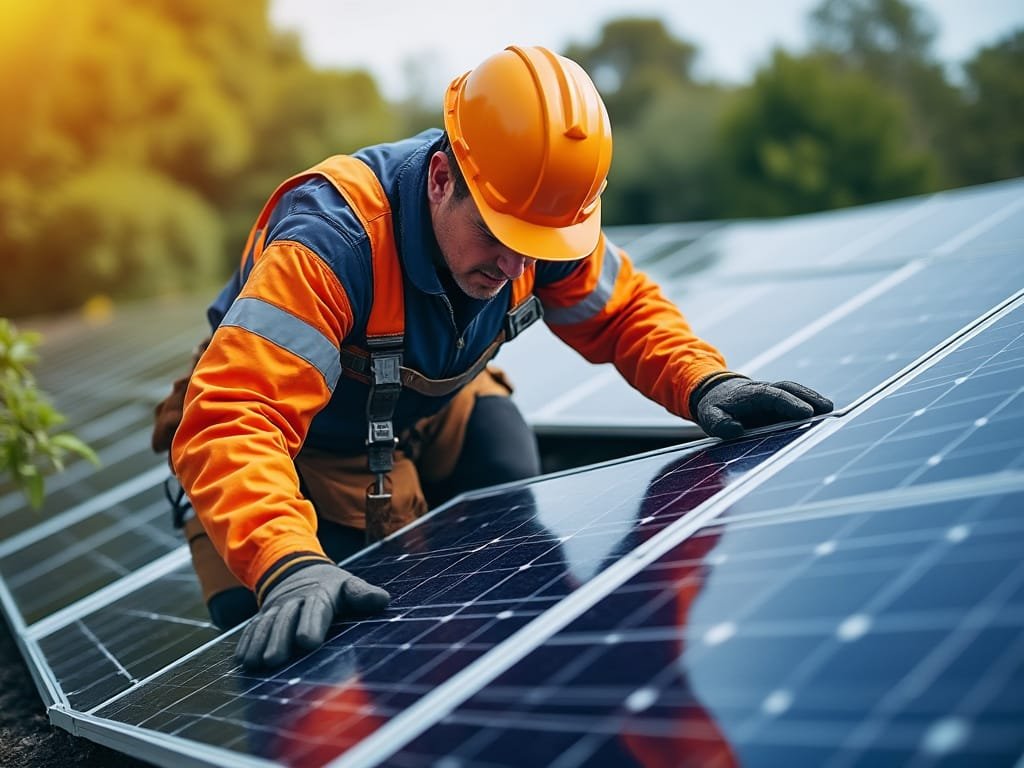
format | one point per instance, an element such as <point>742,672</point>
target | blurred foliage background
<point>140,138</point>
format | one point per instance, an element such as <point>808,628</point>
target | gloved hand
<point>298,611</point>
<point>731,405</point>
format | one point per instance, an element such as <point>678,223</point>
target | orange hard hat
<point>532,138</point>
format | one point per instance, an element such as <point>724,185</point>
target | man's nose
<point>511,264</point>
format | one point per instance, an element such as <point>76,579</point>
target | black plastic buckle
<point>522,317</point>
<point>385,388</point>
<point>385,385</point>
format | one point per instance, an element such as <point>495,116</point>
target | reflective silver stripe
<point>596,300</point>
<point>288,332</point>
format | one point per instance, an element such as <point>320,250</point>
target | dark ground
<point>27,740</point>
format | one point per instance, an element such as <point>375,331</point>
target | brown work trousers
<point>336,485</point>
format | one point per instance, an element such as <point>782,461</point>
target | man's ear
<point>439,178</point>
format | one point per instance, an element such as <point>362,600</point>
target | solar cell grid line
<point>804,242</point>
<point>852,358</point>
<point>807,242</point>
<point>952,565</point>
<point>54,572</point>
<point>1007,348</point>
<point>139,578</point>
<point>131,329</point>
<point>105,360</point>
<point>874,343</point>
<point>963,412</point>
<point>151,478</point>
<point>901,643</point>
<point>463,580</point>
<point>160,356</point>
<point>99,654</point>
<point>588,400</point>
<point>965,219</point>
<point>714,314</point>
<point>549,407</point>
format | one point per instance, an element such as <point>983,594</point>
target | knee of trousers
<point>499,446</point>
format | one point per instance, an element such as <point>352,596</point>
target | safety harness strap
<point>380,364</point>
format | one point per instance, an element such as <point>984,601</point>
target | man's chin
<point>480,289</point>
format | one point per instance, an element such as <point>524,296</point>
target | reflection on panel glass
<point>959,418</point>
<point>865,605</point>
<point>847,358</point>
<point>112,648</point>
<point>875,341</point>
<point>889,637</point>
<point>990,214</point>
<point>74,561</point>
<point>461,582</point>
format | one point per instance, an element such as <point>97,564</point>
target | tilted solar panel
<point>848,593</point>
<point>100,654</point>
<point>862,606</point>
<point>462,582</point>
<point>900,278</point>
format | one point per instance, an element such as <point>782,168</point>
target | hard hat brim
<point>537,242</point>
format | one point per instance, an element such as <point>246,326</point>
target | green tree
<point>632,62</point>
<point>807,137</point>
<point>148,135</point>
<point>992,134</point>
<point>665,167</point>
<point>28,444</point>
<point>891,41</point>
<point>663,123</point>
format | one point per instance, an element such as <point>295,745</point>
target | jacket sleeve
<point>611,313</point>
<point>271,366</point>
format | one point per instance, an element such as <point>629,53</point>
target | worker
<point>347,378</point>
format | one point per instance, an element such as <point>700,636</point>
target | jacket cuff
<point>285,567</point>
<point>708,383</point>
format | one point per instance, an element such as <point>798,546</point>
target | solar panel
<point>462,581</point>
<point>542,622</point>
<point>863,605</point>
<point>840,302</point>
<point>97,655</point>
<point>846,352</point>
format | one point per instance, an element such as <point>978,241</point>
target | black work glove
<point>298,611</point>
<point>731,405</point>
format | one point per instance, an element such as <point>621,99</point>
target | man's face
<point>479,264</point>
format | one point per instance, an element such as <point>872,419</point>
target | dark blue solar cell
<point>462,581</point>
<point>877,624</point>
<point>930,430</point>
<point>108,650</point>
<point>844,359</point>
<point>825,637</point>
<point>71,562</point>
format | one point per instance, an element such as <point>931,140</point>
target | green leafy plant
<point>28,444</point>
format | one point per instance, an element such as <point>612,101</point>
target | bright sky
<point>428,42</point>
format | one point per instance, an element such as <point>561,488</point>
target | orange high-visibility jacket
<point>272,379</point>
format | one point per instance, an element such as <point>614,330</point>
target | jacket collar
<point>417,244</point>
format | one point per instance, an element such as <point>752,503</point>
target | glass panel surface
<point>112,648</point>
<point>462,581</point>
<point>863,606</point>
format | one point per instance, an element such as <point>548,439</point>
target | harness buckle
<point>519,318</point>
<point>385,388</point>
